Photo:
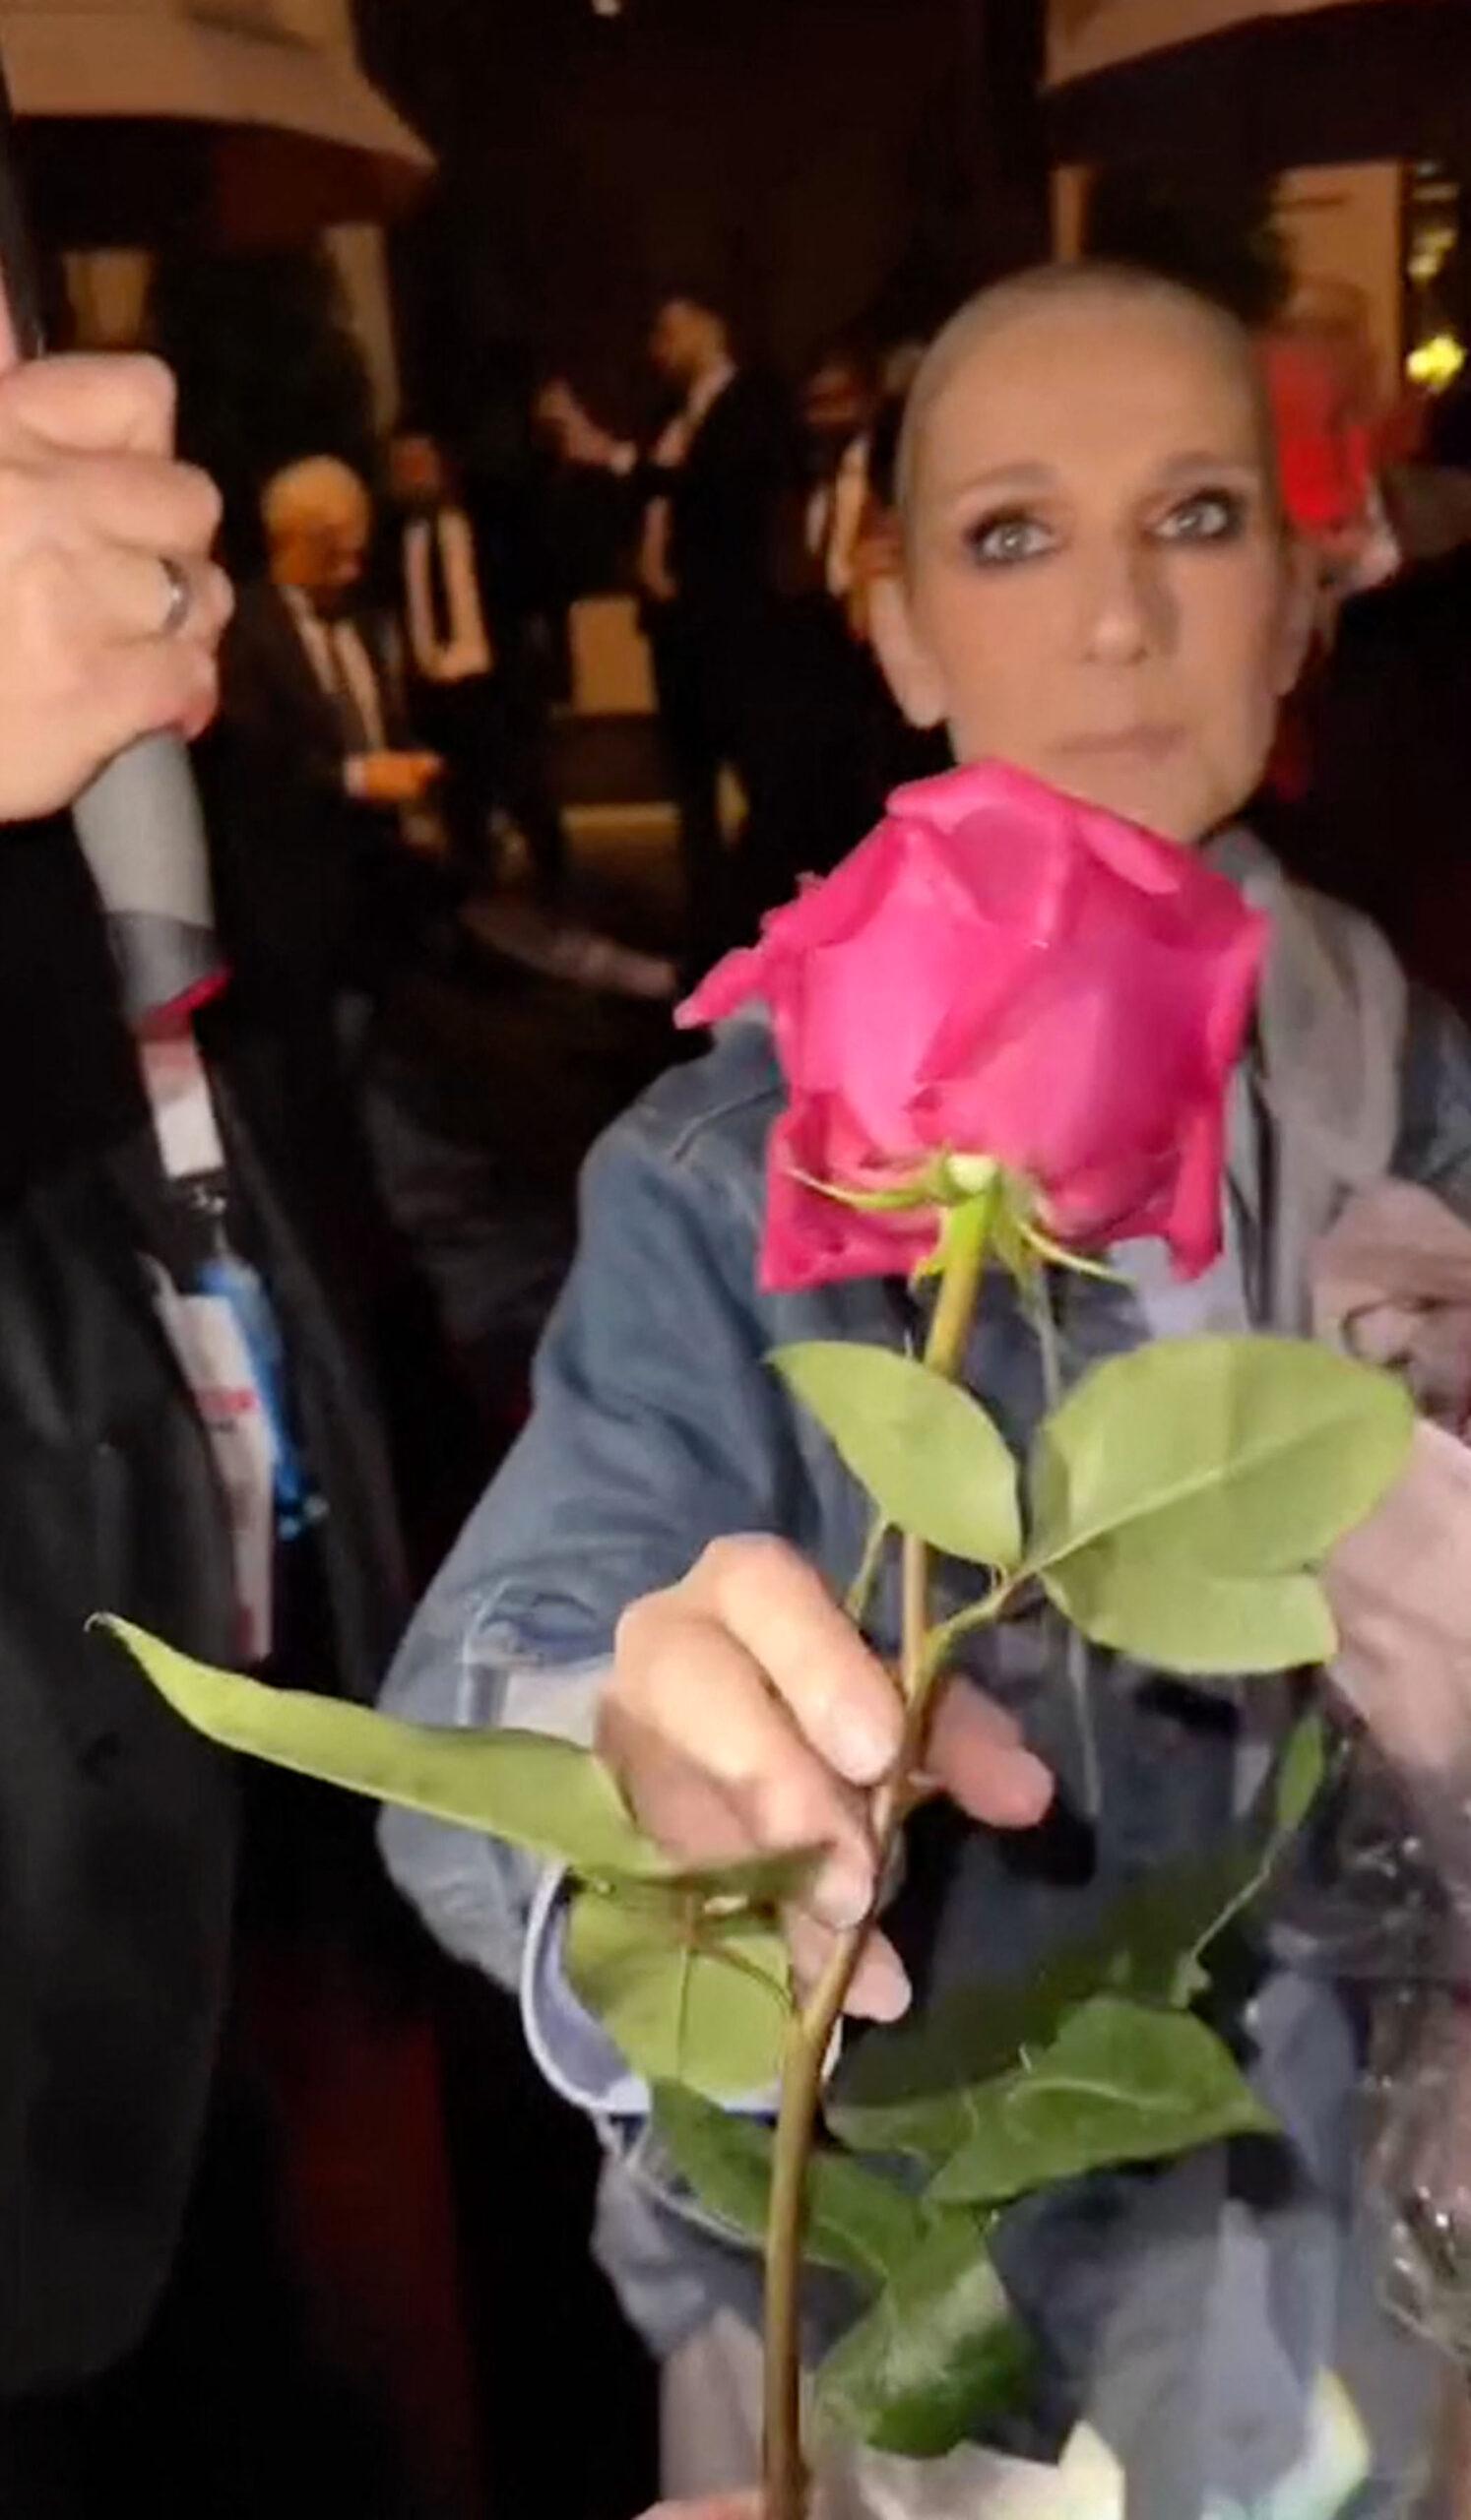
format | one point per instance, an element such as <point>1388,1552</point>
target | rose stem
<point>786,2474</point>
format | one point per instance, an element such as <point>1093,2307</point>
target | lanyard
<point>221,1322</point>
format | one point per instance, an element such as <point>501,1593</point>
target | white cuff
<point>562,1703</point>
<point>576,2054</point>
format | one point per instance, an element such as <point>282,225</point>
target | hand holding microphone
<point>111,609</point>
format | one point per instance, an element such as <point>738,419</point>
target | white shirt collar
<point>707,390</point>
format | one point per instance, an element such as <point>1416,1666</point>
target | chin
<point>1164,806</point>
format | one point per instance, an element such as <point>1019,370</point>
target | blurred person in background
<point>476,638</point>
<point>443,603</point>
<point>194,1966</point>
<point>715,499</point>
<point>347,869</point>
<point>840,404</point>
<point>1366,792</point>
<point>838,699</point>
<point>463,608</point>
<point>858,746</point>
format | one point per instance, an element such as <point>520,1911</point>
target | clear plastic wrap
<point>1394,1284</point>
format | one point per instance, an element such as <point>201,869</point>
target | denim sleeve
<point>656,1427</point>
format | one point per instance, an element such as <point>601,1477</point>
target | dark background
<point>823,162</point>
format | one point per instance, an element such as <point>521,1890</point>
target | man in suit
<point>719,496</point>
<point>478,680</point>
<point>313,697</point>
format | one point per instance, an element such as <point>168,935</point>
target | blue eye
<point>1208,515</point>
<point>1004,541</point>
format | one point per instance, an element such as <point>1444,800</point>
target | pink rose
<point>1000,971</point>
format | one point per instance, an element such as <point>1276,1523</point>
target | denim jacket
<point>657,1427</point>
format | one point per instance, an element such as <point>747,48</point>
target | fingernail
<point>863,1747</point>
<point>843,1895</point>
<point>1031,1785</point>
<point>881,1989</point>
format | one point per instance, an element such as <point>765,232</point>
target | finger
<point>839,1694</point>
<point>880,1988</point>
<point>143,501</point>
<point>976,1753</point>
<point>149,686</point>
<point>93,402</point>
<point>691,1715</point>
<point>128,594</point>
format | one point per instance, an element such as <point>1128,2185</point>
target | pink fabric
<point>1000,971</point>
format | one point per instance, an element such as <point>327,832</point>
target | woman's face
<point>1098,590</point>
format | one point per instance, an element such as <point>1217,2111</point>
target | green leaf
<point>939,2353</point>
<point>544,1794</point>
<point>858,2222</point>
<point>1163,1929</point>
<point>1121,2082</point>
<point>1182,1619</point>
<point>926,1453</point>
<point>747,1881</point>
<point>1174,1484</point>
<point>683,2001</point>
<point>1244,1456</point>
<point>920,2091</point>
<point>1295,1788</point>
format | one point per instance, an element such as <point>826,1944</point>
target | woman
<point>1099,587</point>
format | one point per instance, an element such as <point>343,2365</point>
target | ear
<point>908,670</point>
<point>1297,615</point>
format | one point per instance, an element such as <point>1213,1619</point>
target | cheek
<point>994,642</point>
<point>1233,646</point>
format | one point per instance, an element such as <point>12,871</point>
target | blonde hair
<point>1032,292</point>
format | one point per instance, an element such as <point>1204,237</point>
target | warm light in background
<point>1436,364</point>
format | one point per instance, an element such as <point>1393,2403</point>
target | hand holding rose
<point>746,1715</point>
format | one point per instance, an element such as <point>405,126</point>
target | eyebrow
<point>1024,477</point>
<point>1011,476</point>
<point>1206,462</point>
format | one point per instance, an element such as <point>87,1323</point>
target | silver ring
<point>180,601</point>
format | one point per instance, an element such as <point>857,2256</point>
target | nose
<point>1126,612</point>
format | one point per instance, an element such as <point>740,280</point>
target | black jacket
<point>320,883</point>
<point>732,503</point>
<point>272,694</point>
<point>521,602</point>
<point>1387,723</point>
<point>118,1826</point>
